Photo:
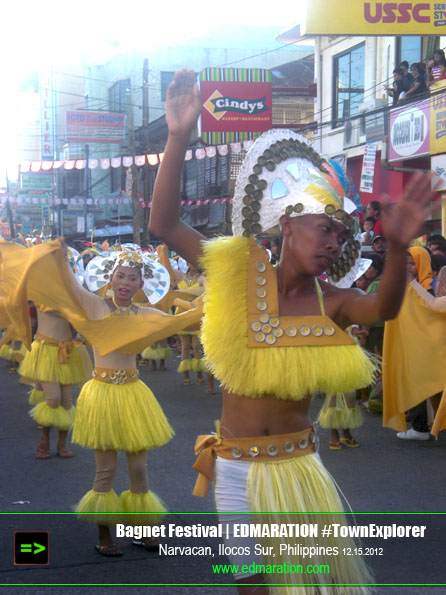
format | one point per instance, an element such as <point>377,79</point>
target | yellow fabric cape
<point>414,358</point>
<point>40,274</point>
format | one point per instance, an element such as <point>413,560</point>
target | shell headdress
<point>283,174</point>
<point>155,277</point>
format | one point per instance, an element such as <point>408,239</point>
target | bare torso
<point>54,325</point>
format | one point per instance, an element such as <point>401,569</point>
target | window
<point>348,77</point>
<point>117,96</point>
<point>166,79</point>
<point>409,48</point>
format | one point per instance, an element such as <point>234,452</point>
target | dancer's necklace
<point>121,310</point>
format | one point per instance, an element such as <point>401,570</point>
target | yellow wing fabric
<point>40,274</point>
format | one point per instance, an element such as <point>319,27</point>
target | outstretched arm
<point>183,106</point>
<point>401,222</point>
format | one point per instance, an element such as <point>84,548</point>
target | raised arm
<point>401,222</point>
<point>183,106</point>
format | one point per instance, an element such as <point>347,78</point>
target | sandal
<point>151,545</point>
<point>65,454</point>
<point>200,380</point>
<point>109,551</point>
<point>187,381</point>
<point>335,445</point>
<point>41,453</point>
<point>350,442</point>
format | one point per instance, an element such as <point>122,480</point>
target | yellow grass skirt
<point>119,417</point>
<point>156,352</point>
<point>336,413</point>
<point>191,365</point>
<point>107,508</point>
<point>53,417</point>
<point>36,396</point>
<point>41,364</point>
<point>303,485</point>
<point>5,352</point>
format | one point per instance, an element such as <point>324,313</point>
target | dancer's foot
<point>63,453</point>
<point>109,551</point>
<point>148,543</point>
<point>42,452</point>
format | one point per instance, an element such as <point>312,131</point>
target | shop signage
<point>409,134</point>
<point>95,127</point>
<point>344,17</point>
<point>236,103</point>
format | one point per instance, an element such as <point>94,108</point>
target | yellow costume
<point>413,357</point>
<point>21,274</point>
<point>253,351</point>
<point>189,336</point>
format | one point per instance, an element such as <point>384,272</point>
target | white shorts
<point>230,498</point>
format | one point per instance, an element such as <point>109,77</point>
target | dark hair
<point>438,261</point>
<point>435,238</point>
<point>372,219</point>
<point>377,262</point>
<point>440,53</point>
<point>420,66</point>
<point>405,63</point>
<point>376,206</point>
<point>399,71</point>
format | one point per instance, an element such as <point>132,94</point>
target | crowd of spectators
<point>409,86</point>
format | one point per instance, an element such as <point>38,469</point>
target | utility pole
<point>147,173</point>
<point>134,170</point>
<point>9,213</point>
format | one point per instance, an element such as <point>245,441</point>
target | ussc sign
<point>344,17</point>
<point>236,104</point>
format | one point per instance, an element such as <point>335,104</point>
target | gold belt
<point>64,348</point>
<point>111,376</point>
<point>258,448</point>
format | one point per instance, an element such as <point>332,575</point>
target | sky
<point>50,34</point>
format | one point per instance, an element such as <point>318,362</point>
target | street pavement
<point>384,475</point>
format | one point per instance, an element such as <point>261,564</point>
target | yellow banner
<point>357,17</point>
<point>438,118</point>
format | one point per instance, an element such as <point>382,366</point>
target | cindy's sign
<point>409,134</point>
<point>236,104</point>
<point>343,17</point>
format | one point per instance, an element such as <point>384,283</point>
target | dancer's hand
<point>402,220</point>
<point>183,103</point>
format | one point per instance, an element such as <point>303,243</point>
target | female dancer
<point>53,365</point>
<point>116,411</point>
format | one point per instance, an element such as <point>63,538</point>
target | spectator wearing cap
<point>379,246</point>
<point>373,209</point>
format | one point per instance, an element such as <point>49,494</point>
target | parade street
<point>383,475</point>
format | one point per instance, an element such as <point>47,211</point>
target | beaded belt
<point>259,448</point>
<point>64,348</point>
<point>110,376</point>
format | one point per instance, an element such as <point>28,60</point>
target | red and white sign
<point>95,127</point>
<point>236,106</point>
<point>409,133</point>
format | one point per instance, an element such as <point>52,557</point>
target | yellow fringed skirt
<point>302,485</point>
<point>157,351</point>
<point>340,411</point>
<point>119,417</point>
<point>5,352</point>
<point>42,364</point>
